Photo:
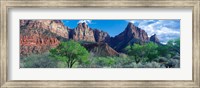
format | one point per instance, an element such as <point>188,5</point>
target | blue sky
<point>164,29</point>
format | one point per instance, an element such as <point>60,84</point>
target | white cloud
<point>135,21</point>
<point>164,29</point>
<point>85,21</point>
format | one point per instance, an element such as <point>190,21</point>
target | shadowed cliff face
<point>101,36</point>
<point>155,39</point>
<point>100,49</point>
<point>130,35</point>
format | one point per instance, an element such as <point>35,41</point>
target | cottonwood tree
<point>174,45</point>
<point>70,52</point>
<point>146,52</point>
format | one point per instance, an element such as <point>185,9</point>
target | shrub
<point>176,57</point>
<point>161,60</point>
<point>122,55</point>
<point>173,63</point>
<point>103,61</point>
<point>152,65</point>
<point>38,61</point>
<point>144,65</point>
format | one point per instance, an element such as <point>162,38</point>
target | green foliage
<point>146,52</point>
<point>104,62</point>
<point>108,62</point>
<point>150,65</point>
<point>119,62</point>
<point>151,51</point>
<point>163,50</point>
<point>174,46</point>
<point>171,49</point>
<point>176,57</point>
<point>38,61</point>
<point>70,52</point>
<point>173,63</point>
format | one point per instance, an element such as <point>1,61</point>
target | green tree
<point>151,51</point>
<point>142,52</point>
<point>163,50</point>
<point>174,46</point>
<point>70,52</point>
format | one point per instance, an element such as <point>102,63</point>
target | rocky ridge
<point>37,36</point>
<point>130,35</point>
<point>155,39</point>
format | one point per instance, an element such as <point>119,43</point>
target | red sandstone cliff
<point>38,36</point>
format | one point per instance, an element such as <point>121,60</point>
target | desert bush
<point>144,65</point>
<point>176,57</point>
<point>124,61</point>
<point>122,55</point>
<point>118,62</point>
<point>169,62</point>
<point>103,62</point>
<point>130,65</point>
<point>38,61</point>
<point>151,65</point>
<point>161,59</point>
<point>173,63</point>
<point>114,62</point>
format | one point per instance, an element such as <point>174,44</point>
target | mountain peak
<point>130,25</point>
<point>131,28</point>
<point>132,34</point>
<point>155,39</point>
<point>83,25</point>
<point>83,33</point>
<point>101,36</point>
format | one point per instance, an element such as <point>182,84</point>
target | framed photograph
<point>99,43</point>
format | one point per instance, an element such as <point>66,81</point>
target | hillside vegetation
<point>71,54</point>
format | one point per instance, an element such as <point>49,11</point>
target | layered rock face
<point>38,36</point>
<point>155,39</point>
<point>32,44</point>
<point>130,35</point>
<point>100,49</point>
<point>35,41</point>
<point>83,33</point>
<point>54,26</point>
<point>101,36</point>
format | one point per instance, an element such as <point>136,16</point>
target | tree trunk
<point>137,60</point>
